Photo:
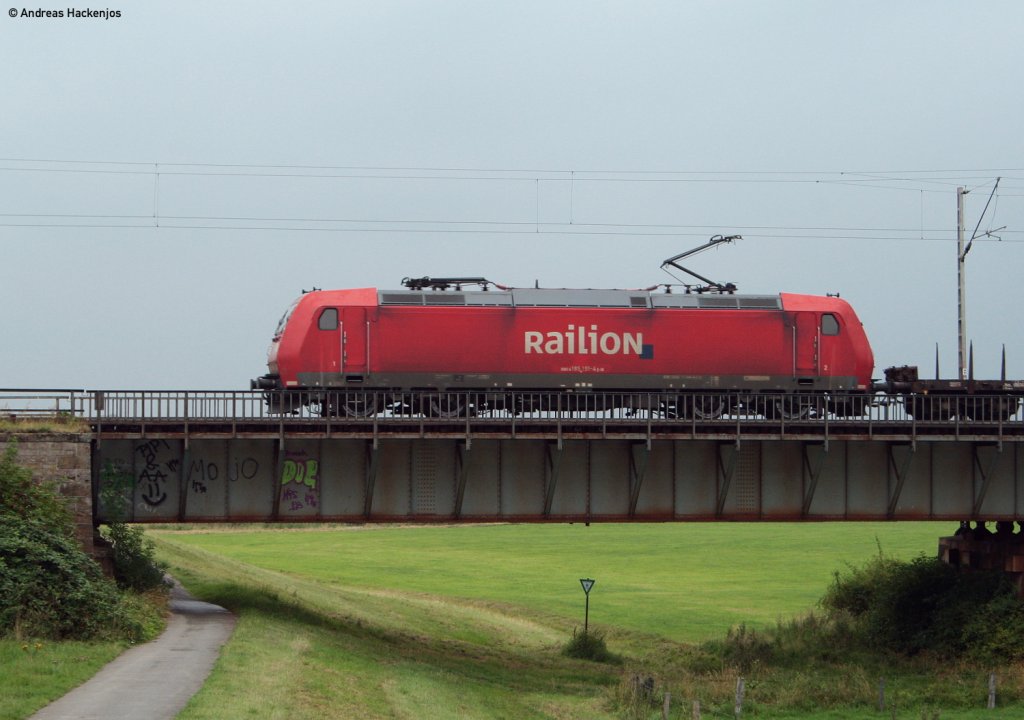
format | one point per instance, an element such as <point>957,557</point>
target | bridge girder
<point>439,479</point>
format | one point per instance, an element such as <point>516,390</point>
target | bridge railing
<point>178,405</point>
<point>31,403</point>
<point>581,408</point>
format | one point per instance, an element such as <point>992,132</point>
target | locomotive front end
<point>271,381</point>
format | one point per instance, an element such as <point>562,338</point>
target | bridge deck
<point>198,457</point>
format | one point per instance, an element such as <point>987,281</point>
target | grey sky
<point>574,143</point>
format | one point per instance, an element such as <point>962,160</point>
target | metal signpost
<point>587,583</point>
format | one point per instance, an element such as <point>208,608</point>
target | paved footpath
<point>154,680</point>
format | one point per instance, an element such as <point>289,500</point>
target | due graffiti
<point>299,481</point>
<point>203,472</point>
<point>152,477</point>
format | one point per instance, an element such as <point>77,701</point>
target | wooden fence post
<point>991,691</point>
<point>739,696</point>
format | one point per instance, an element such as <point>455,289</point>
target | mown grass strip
<point>303,649</point>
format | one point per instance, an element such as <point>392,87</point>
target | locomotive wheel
<point>333,405</point>
<point>849,407</point>
<point>707,407</point>
<point>788,409</point>
<point>359,407</point>
<point>447,407</point>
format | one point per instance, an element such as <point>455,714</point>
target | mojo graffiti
<point>246,469</point>
<point>299,480</point>
<point>203,472</point>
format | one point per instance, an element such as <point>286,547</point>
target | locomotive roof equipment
<point>710,285</point>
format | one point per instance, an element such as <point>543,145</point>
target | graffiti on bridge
<point>152,477</point>
<point>299,481</point>
<point>116,483</point>
<point>201,472</point>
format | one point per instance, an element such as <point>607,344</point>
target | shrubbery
<point>590,646</point>
<point>888,606</point>
<point>135,565</point>
<point>48,586</point>
<point>927,606</point>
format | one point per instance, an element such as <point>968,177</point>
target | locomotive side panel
<point>344,338</point>
<point>556,347</point>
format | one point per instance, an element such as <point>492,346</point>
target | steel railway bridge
<point>206,456</point>
<point>201,456</point>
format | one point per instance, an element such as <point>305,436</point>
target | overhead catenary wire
<point>527,229</point>
<point>156,217</point>
<point>986,171</point>
<point>671,228</point>
<point>484,173</point>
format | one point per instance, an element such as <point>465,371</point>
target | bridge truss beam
<point>440,479</point>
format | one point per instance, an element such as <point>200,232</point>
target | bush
<point>746,649</point>
<point>48,586</point>
<point>135,564</point>
<point>994,634</point>
<point>590,646</point>
<point>927,606</point>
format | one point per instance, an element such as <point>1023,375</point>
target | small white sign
<point>587,583</point>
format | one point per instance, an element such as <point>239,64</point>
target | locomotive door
<point>329,344</point>
<point>805,351</point>
<point>354,341</point>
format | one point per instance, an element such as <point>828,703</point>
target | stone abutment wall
<point>65,459</point>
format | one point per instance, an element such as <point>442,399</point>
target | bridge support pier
<point>980,549</point>
<point>64,459</point>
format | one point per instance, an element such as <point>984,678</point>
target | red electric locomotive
<point>696,350</point>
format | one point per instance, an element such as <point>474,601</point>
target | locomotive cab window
<point>328,319</point>
<point>829,324</point>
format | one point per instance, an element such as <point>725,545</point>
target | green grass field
<point>469,621</point>
<point>685,582</point>
<point>37,672</point>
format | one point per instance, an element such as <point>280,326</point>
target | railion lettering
<point>581,340</point>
